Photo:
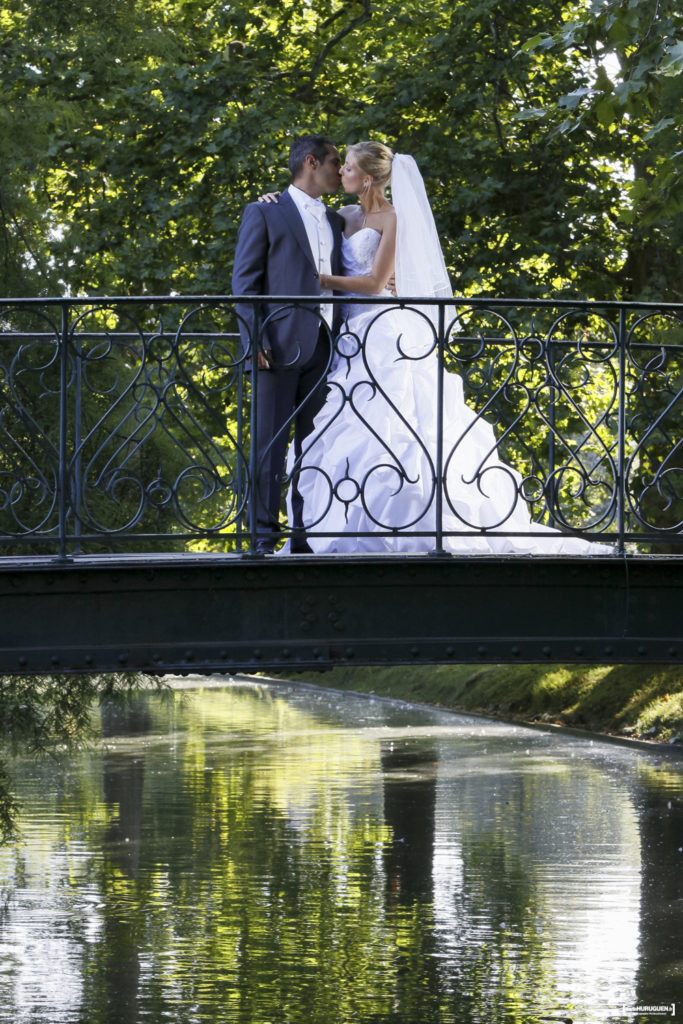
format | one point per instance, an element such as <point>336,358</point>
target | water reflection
<point>284,854</point>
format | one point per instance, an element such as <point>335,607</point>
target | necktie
<point>321,250</point>
<point>317,209</point>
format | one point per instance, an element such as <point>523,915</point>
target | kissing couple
<point>358,381</point>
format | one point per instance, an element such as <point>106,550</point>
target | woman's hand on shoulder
<point>269,197</point>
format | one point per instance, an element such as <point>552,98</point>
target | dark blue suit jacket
<point>273,257</point>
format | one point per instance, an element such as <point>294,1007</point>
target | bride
<point>368,471</point>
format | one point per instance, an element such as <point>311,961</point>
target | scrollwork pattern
<point>125,424</point>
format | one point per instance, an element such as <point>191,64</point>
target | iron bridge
<point>127,477</point>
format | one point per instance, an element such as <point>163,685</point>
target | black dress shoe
<point>264,546</point>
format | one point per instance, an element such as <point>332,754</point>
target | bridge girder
<point>212,614</point>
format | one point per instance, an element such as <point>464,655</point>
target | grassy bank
<point>643,701</point>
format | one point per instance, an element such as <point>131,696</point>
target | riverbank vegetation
<point>627,700</point>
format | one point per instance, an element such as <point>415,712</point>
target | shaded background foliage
<point>549,134</point>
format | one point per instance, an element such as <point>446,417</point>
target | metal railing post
<point>253,427</point>
<point>438,519</point>
<point>62,470</point>
<point>242,484</point>
<point>77,463</point>
<point>621,435</point>
<point>552,416</point>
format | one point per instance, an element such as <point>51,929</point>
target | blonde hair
<point>373,158</point>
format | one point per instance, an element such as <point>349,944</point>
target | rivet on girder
<point>415,651</point>
<point>223,655</point>
<point>54,660</point>
<point>122,659</point>
<point>609,649</point>
<point>450,651</point>
<point>514,650</point>
<point>257,653</point>
<point>349,652</point>
<point>672,652</point>
<point>88,659</point>
<point>642,650</point>
<point>189,655</point>
<point>547,651</point>
<point>481,651</point>
<point>22,661</point>
<point>286,652</point>
<point>578,649</point>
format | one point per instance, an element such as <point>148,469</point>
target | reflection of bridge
<point>126,471</point>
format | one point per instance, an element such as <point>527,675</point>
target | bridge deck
<point>211,614</point>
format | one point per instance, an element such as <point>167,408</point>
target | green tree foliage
<point>629,111</point>
<point>548,133</point>
<point>40,714</point>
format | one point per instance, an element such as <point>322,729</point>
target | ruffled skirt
<point>367,473</point>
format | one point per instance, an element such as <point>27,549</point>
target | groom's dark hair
<point>317,145</point>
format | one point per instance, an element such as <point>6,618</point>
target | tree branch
<point>364,16</point>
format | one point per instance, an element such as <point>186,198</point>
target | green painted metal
<point>210,615</point>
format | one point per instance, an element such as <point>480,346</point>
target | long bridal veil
<point>420,266</point>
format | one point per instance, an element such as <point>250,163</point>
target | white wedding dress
<point>367,471</point>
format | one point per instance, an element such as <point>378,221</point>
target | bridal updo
<point>373,158</point>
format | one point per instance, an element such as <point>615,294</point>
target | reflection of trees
<point>112,978</point>
<point>661,832</point>
<point>495,962</point>
<point>292,870</point>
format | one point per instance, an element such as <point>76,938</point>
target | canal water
<point>282,854</point>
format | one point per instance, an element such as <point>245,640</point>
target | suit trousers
<point>285,396</point>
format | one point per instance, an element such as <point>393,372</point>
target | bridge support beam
<point>210,614</point>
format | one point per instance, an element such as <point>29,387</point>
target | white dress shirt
<point>320,238</point>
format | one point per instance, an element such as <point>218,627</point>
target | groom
<point>282,248</point>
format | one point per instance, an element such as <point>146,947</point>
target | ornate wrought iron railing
<point>126,424</point>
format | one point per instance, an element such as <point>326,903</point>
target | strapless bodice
<point>358,251</point>
<point>358,254</point>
